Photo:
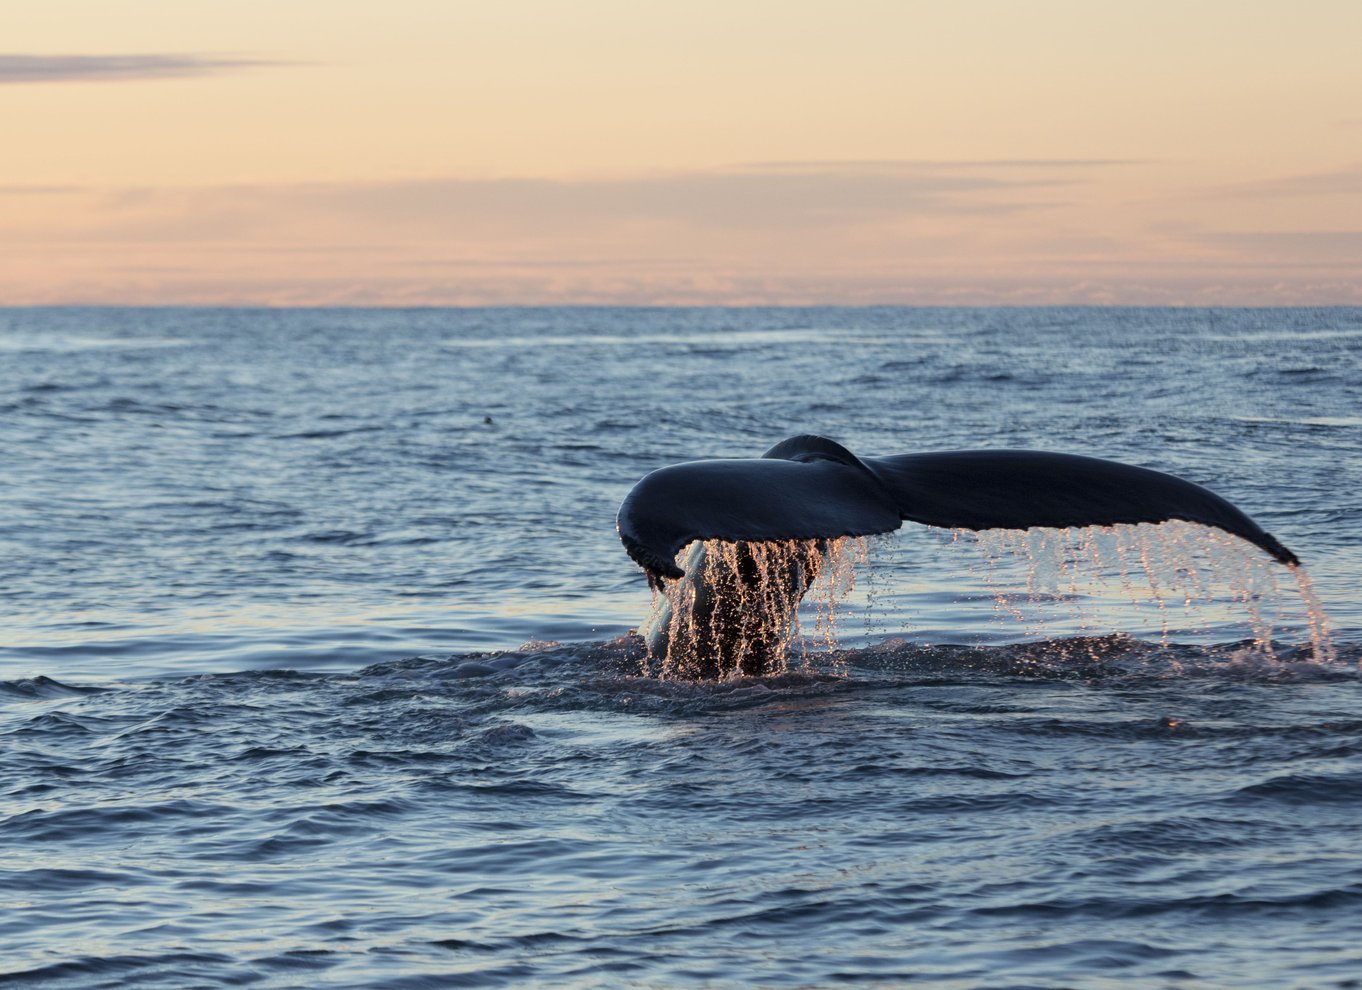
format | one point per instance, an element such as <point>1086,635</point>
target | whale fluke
<point>812,488</point>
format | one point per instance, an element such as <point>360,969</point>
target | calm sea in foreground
<point>316,669</point>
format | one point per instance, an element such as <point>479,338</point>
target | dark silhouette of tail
<point>810,487</point>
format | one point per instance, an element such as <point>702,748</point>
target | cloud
<point>754,202</point>
<point>1295,247</point>
<point>934,164</point>
<point>35,190</point>
<point>1339,182</point>
<point>799,232</point>
<point>148,279</point>
<point>775,198</point>
<point>101,68</point>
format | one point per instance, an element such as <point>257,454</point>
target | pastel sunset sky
<point>414,152</point>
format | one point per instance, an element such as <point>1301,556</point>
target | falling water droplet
<point>1196,570</point>
<point>742,615</point>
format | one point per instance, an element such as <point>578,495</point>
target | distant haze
<point>322,152</point>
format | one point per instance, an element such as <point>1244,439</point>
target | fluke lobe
<point>810,488</point>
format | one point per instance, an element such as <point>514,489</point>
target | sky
<point>527,152</point>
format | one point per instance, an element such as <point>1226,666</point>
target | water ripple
<point>317,668</point>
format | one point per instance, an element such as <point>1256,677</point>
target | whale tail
<point>810,488</point>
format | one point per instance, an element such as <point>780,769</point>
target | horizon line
<point>11,307</point>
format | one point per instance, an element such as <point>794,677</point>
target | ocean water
<point>317,665</point>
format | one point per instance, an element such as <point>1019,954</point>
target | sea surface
<point>316,663</point>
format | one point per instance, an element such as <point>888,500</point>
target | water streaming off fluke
<point>738,611</point>
<point>1190,576</point>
